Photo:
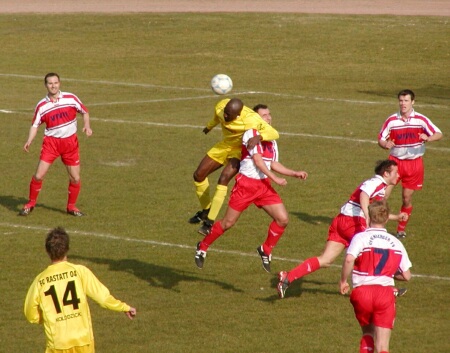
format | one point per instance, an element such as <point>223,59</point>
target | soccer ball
<point>221,84</point>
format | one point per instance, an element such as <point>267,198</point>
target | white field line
<point>150,123</point>
<point>173,245</point>
<point>119,121</point>
<point>147,85</point>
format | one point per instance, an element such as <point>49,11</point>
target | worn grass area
<point>330,82</point>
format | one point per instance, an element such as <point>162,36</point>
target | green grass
<point>322,75</point>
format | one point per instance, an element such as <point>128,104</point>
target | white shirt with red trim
<point>60,117</point>
<point>267,149</point>
<point>405,134</point>
<point>379,255</point>
<point>375,187</point>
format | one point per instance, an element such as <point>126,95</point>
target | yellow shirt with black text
<point>58,299</point>
<point>234,130</point>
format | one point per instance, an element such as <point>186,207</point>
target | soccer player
<point>375,258</point>
<point>235,119</point>
<point>264,112</point>
<point>352,219</point>
<point>253,186</point>
<point>405,134</point>
<point>57,298</point>
<point>58,110</point>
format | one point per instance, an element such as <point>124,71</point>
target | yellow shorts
<point>221,152</point>
<point>79,349</point>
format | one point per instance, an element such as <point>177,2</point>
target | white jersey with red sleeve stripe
<point>405,134</point>
<point>375,187</point>
<point>267,149</point>
<point>60,116</point>
<point>379,255</point>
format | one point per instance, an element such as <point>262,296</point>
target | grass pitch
<point>330,82</point>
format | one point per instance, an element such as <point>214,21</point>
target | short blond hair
<point>379,212</point>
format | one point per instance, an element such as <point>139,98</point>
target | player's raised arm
<point>259,162</point>
<point>280,168</point>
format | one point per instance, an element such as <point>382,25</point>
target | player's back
<point>65,310</point>
<point>379,255</point>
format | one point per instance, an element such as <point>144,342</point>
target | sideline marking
<point>190,247</point>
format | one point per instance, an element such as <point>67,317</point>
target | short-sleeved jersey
<point>267,149</point>
<point>379,255</point>
<point>60,117</point>
<point>375,187</point>
<point>58,299</point>
<point>405,134</point>
<point>232,131</point>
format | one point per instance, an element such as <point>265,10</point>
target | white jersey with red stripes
<point>405,134</point>
<point>60,117</point>
<point>267,149</point>
<point>375,187</point>
<point>379,255</point>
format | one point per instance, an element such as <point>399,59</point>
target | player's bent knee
<point>282,221</point>
<point>198,178</point>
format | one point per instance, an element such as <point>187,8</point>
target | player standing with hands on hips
<point>405,134</point>
<point>58,110</point>
<point>57,298</point>
<point>374,258</point>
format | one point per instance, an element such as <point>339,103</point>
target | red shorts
<point>374,305</point>
<point>411,172</point>
<point>67,148</point>
<point>257,191</point>
<point>343,228</point>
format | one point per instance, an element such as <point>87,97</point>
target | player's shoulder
<point>371,182</point>
<point>248,134</point>
<point>375,179</point>
<point>221,104</point>
<point>393,117</point>
<point>68,95</point>
<point>42,102</point>
<point>420,116</point>
<point>250,114</point>
<point>78,268</point>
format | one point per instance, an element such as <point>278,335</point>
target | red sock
<point>274,234</point>
<point>35,188</point>
<point>74,190</point>
<point>402,225</point>
<point>384,352</point>
<point>216,231</point>
<point>305,268</point>
<point>366,344</point>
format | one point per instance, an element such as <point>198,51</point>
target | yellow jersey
<point>58,299</point>
<point>234,130</point>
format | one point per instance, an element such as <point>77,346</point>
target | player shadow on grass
<point>315,220</point>
<point>15,204</point>
<point>156,276</point>
<point>296,289</point>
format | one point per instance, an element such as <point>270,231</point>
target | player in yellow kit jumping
<point>235,118</point>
